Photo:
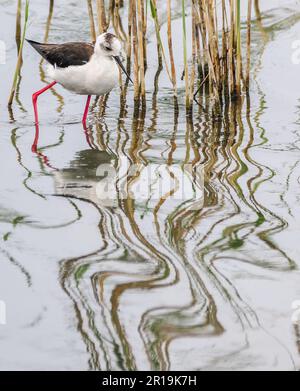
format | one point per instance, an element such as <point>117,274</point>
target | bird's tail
<point>39,47</point>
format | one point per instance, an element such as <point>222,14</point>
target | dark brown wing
<point>66,54</point>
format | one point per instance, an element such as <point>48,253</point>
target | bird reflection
<point>90,176</point>
<point>44,158</point>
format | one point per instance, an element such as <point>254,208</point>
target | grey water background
<point>150,285</point>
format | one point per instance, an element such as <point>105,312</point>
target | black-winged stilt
<point>83,68</point>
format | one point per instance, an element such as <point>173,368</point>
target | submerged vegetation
<point>219,62</point>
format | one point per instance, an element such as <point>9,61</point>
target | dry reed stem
<point>224,47</point>
<point>129,36</point>
<point>18,24</point>
<point>117,21</point>
<point>248,44</point>
<point>186,68</point>
<point>91,17</point>
<point>141,49</point>
<point>101,16</point>
<point>238,47</point>
<point>48,22</point>
<point>144,15</point>
<point>232,82</point>
<point>194,48</point>
<point>135,51</point>
<point>170,44</point>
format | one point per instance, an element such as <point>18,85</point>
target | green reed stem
<point>19,61</point>
<point>157,30</point>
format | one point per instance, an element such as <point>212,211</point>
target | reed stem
<point>91,17</point>
<point>141,49</point>
<point>238,47</point>
<point>101,16</point>
<point>248,44</point>
<point>160,46</point>
<point>186,69</point>
<point>18,24</point>
<point>170,44</point>
<point>19,60</point>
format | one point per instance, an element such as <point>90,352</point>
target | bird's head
<point>109,45</point>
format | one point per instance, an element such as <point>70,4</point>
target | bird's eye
<point>108,48</point>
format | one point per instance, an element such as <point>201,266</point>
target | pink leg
<point>34,101</point>
<point>86,110</point>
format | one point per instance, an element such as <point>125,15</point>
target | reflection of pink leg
<point>34,101</point>
<point>44,159</point>
<point>36,138</point>
<point>86,110</point>
<point>87,136</point>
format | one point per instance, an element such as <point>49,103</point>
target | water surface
<point>150,282</point>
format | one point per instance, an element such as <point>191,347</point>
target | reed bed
<point>216,57</point>
<point>219,62</point>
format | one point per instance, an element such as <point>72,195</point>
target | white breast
<point>97,77</point>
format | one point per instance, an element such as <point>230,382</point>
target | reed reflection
<point>126,294</point>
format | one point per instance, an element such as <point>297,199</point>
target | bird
<point>81,67</point>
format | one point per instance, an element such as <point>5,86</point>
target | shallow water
<point>112,272</point>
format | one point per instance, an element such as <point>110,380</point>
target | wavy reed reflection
<point>156,278</point>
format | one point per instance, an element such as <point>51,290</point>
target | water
<point>140,281</point>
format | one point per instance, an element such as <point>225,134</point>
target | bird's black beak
<point>119,62</point>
